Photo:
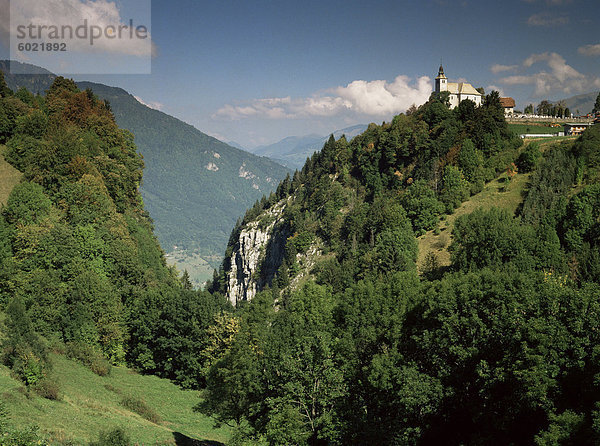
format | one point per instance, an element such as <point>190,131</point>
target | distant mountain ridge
<point>581,104</point>
<point>293,150</point>
<point>195,187</point>
<point>37,83</point>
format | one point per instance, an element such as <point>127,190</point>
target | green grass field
<point>90,404</point>
<point>9,177</point>
<point>196,265</point>
<point>497,193</point>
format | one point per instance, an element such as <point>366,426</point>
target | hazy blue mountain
<point>293,150</point>
<point>350,132</point>
<point>236,145</point>
<point>36,83</point>
<point>582,102</point>
<point>195,187</point>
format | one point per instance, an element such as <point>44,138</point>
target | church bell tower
<point>441,81</point>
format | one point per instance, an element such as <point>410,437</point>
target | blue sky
<point>257,71</point>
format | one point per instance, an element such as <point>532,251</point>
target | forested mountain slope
<point>80,268</point>
<point>195,187</point>
<point>406,173</point>
<point>336,338</point>
<point>38,82</point>
<point>342,341</point>
<point>582,103</point>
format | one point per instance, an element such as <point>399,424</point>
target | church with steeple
<point>458,91</point>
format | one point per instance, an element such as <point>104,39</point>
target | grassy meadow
<point>194,263</point>
<point>499,192</point>
<point>9,177</point>
<point>89,404</point>
<point>520,129</point>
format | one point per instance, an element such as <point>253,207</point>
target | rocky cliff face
<point>258,254</point>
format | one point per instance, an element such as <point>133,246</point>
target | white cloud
<point>151,104</point>
<point>54,16</point>
<point>382,98</point>
<point>589,50</point>
<point>491,88</point>
<point>557,64</point>
<point>372,98</point>
<point>519,79</point>
<point>498,68</point>
<point>547,19</point>
<point>558,76</point>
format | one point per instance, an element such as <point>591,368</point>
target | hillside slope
<point>499,193</point>
<point>79,262</point>
<point>494,344</point>
<point>90,404</point>
<point>581,104</point>
<point>9,177</point>
<point>195,187</point>
<point>361,202</point>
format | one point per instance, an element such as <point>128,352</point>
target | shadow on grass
<point>184,440</point>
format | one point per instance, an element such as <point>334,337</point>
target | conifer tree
<point>185,280</point>
<point>596,109</point>
<point>4,90</point>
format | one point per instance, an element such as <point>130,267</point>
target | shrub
<point>549,183</point>
<point>22,350</point>
<point>490,238</point>
<point>56,344</point>
<point>115,437</point>
<point>27,204</point>
<point>16,437</point>
<point>48,388</point>
<point>28,436</point>
<point>100,367</point>
<point>455,189</point>
<point>422,206</point>
<point>33,124</point>
<point>139,406</point>
<point>528,159</point>
<point>111,388</point>
<point>301,241</point>
<point>89,356</point>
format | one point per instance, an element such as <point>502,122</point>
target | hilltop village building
<point>508,104</point>
<point>459,91</point>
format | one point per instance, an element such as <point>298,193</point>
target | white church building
<point>459,91</point>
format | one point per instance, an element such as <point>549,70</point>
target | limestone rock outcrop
<point>258,254</point>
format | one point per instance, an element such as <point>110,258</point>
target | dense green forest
<point>81,272</point>
<point>501,347</point>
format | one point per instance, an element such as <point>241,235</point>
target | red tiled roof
<point>507,102</point>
